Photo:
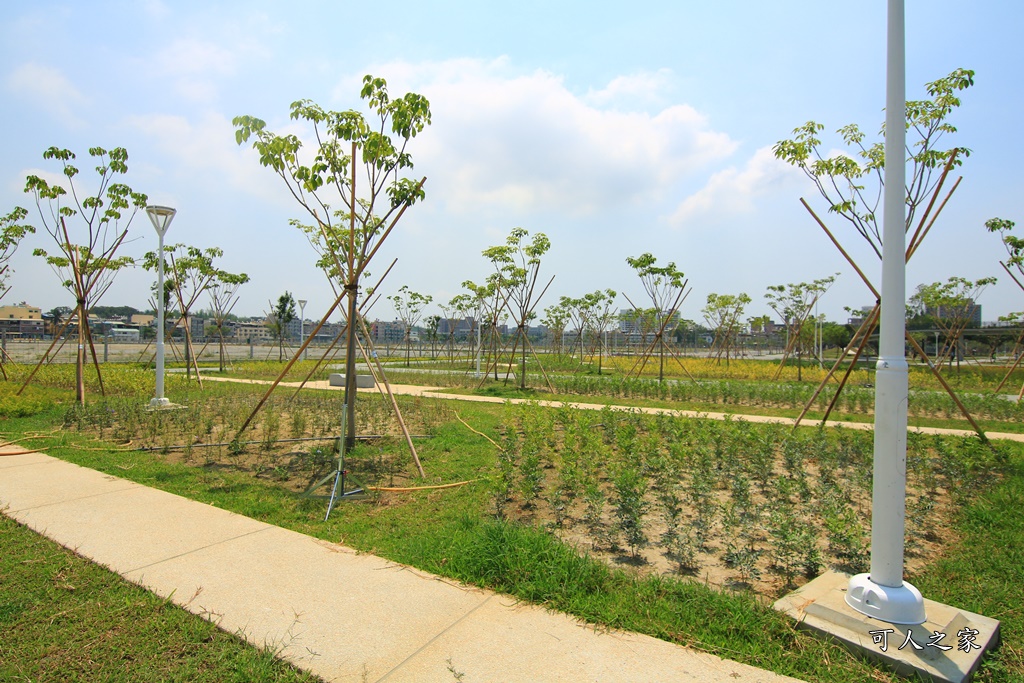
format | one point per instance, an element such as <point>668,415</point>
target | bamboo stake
<point>874,291</point>
<point>287,368</point>
<point>853,364</point>
<point>918,236</point>
<point>835,366</point>
<point>394,405</point>
<point>57,338</point>
<point>948,389</point>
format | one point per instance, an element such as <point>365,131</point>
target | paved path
<point>438,392</point>
<point>343,615</point>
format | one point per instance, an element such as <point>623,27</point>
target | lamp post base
<point>894,605</point>
<point>160,403</point>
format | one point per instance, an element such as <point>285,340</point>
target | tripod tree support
<point>87,269</point>
<point>516,272</point>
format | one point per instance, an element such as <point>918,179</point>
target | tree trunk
<point>522,374</point>
<point>350,370</point>
<point>80,357</point>
<point>220,333</point>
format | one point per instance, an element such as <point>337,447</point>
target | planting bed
<point>730,503</point>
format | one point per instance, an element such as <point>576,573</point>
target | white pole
<point>882,593</point>
<point>161,217</point>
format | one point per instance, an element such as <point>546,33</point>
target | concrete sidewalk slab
<point>41,480</point>
<point>342,615</point>
<point>520,643</point>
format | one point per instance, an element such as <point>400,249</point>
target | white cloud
<point>208,145</point>
<point>195,66</point>
<point>48,89</point>
<point>187,56</point>
<point>633,89</point>
<point>506,140</point>
<point>733,190</point>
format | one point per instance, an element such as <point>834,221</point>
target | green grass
<point>63,618</point>
<point>984,571</point>
<point>451,532</point>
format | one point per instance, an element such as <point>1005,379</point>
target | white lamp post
<point>882,593</point>
<point>302,325</point>
<point>161,216</point>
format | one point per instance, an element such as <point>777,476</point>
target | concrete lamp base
<point>160,404</point>
<point>946,647</point>
<point>903,605</point>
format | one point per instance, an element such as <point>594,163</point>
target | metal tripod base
<point>894,605</point>
<point>339,478</point>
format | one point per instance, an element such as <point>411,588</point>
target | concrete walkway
<point>342,615</point>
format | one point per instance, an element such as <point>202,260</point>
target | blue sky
<point>613,131</point>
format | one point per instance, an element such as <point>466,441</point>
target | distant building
<point>857,318</point>
<point>253,331</point>
<point>631,322</point>
<point>22,321</point>
<point>970,310</point>
<point>459,328</point>
<point>388,332</point>
<point>124,334</point>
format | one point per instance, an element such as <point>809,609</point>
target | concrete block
<point>362,381</point>
<point>820,607</point>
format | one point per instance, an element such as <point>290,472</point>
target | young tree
<point>556,317</point>
<point>87,269</point>
<point>666,288</point>
<point>579,310</point>
<point>1014,267</point>
<point>852,184</point>
<point>490,303</point>
<point>432,323</point>
<point>281,313</point>
<point>409,306</point>
<point>223,297</point>
<point>350,221</point>
<point>950,306</point>
<point>454,312</point>
<point>724,313</point>
<point>517,267</point>
<point>190,273</point>
<point>793,303</point>
<point>601,318</point>
<point>12,230</point>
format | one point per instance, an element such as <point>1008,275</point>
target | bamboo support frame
<point>919,234</point>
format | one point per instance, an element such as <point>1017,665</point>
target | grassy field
<point>457,533</point>
<point>64,618</point>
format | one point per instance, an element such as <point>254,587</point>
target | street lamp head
<point>161,217</point>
